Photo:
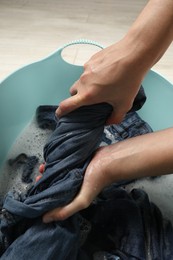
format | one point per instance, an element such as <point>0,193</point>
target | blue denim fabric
<point>57,240</point>
<point>67,154</point>
<point>128,226</point>
<point>46,188</point>
<point>45,114</point>
<point>105,256</point>
<point>131,126</point>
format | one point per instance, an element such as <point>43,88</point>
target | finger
<point>68,105</point>
<point>62,213</point>
<point>82,200</point>
<point>42,167</point>
<point>38,178</point>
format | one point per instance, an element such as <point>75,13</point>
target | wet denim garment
<point>127,226</point>
<point>105,256</point>
<point>131,126</point>
<point>45,114</point>
<point>67,155</point>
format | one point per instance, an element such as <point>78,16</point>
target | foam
<point>31,142</point>
<point>159,191</point>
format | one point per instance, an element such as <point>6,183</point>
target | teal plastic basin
<point>48,81</point>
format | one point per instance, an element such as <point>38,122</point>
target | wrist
<point>141,57</point>
<point>142,156</point>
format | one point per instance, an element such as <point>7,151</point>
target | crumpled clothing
<point>127,225</point>
<point>67,154</point>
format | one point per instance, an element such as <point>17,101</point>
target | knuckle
<point>61,105</point>
<point>83,77</point>
<point>86,64</point>
<point>86,98</point>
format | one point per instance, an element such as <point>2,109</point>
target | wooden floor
<point>32,29</point>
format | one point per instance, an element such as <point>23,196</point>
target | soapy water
<point>30,142</point>
<point>160,192</point>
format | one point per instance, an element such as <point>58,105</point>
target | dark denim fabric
<point>45,114</point>
<point>67,154</point>
<point>105,256</point>
<point>131,126</point>
<point>65,165</point>
<point>57,240</point>
<point>128,226</point>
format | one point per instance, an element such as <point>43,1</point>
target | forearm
<point>152,32</point>
<point>142,156</point>
<point>114,74</point>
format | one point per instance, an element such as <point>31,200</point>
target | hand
<point>125,160</point>
<point>95,179</point>
<point>113,75</point>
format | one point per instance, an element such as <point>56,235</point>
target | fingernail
<point>41,167</point>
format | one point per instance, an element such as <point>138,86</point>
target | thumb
<point>82,200</point>
<point>69,105</point>
<point>64,212</point>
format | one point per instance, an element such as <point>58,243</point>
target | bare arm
<point>114,74</point>
<point>147,155</point>
<point>142,156</point>
<point>153,31</point>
